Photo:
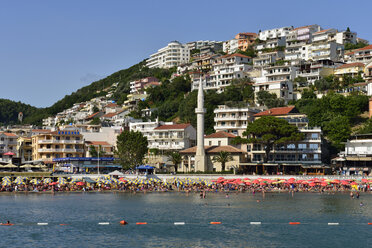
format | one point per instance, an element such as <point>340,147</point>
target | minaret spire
<point>200,161</point>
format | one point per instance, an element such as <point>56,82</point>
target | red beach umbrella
<point>255,181</point>
<point>364,180</point>
<point>344,182</point>
<point>353,183</point>
<point>312,184</point>
<point>323,184</point>
<point>263,184</point>
<point>80,183</point>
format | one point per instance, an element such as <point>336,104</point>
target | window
<point>210,143</point>
<point>219,143</point>
<point>314,146</point>
<point>314,136</point>
<point>301,146</point>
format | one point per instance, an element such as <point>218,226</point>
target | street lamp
<point>98,161</point>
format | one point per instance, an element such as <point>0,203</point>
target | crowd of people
<point>24,184</point>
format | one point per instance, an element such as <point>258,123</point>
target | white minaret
<point>200,159</point>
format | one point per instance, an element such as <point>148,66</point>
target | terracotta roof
<point>92,115</point>
<point>323,31</point>
<point>369,47</point>
<point>109,115</point>
<point>98,143</point>
<point>9,134</point>
<point>111,105</point>
<point>357,64</point>
<point>40,130</point>
<point>235,55</point>
<point>213,149</point>
<point>276,111</point>
<point>174,126</point>
<point>302,27</point>
<point>349,53</point>
<point>220,134</point>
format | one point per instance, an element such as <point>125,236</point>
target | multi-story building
<point>8,145</point>
<point>357,157</point>
<point>147,127</point>
<point>24,148</point>
<point>245,40</point>
<point>274,33</point>
<point>264,59</point>
<point>137,87</point>
<point>313,71</point>
<point>233,119</point>
<point>105,149</point>
<point>173,54</point>
<point>172,137</point>
<point>62,143</point>
<point>292,157</point>
<point>364,54</point>
<point>271,44</point>
<point>351,69</point>
<point>324,46</point>
<point>200,44</point>
<point>230,46</point>
<point>226,69</point>
<point>297,40</point>
<point>343,37</point>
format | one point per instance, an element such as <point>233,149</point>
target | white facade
<point>364,54</point>
<point>230,46</point>
<point>326,51</point>
<point>233,119</point>
<point>266,59</point>
<point>271,43</point>
<point>173,54</point>
<point>8,143</point>
<point>274,33</point>
<point>172,137</point>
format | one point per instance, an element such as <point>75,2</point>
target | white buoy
<point>42,224</point>
<point>103,223</point>
<point>179,223</point>
<point>255,223</point>
<point>333,224</point>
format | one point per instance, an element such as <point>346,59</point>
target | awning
<point>100,166</point>
<point>144,167</point>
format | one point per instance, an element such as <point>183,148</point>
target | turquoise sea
<point>83,211</point>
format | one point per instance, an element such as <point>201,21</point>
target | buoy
<point>370,223</point>
<point>255,223</point>
<point>294,223</point>
<point>123,222</point>
<point>42,224</point>
<point>141,223</point>
<point>6,224</point>
<point>104,223</point>
<point>333,224</point>
<point>63,224</point>
<point>216,223</point>
<point>179,223</point>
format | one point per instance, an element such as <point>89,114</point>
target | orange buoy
<point>370,223</point>
<point>63,224</point>
<point>216,223</point>
<point>294,223</point>
<point>6,224</point>
<point>141,223</point>
<point>123,222</point>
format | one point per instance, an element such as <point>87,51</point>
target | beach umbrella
<point>353,183</point>
<point>47,180</point>
<point>53,183</point>
<point>35,181</point>
<point>6,183</point>
<point>323,184</point>
<point>80,183</point>
<point>312,184</point>
<point>62,180</point>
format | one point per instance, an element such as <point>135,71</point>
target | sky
<point>49,49</point>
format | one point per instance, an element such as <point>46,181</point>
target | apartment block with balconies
<point>274,33</point>
<point>62,143</point>
<point>8,146</point>
<point>172,137</point>
<point>363,55</point>
<point>174,54</point>
<point>265,59</point>
<point>313,71</point>
<point>233,119</point>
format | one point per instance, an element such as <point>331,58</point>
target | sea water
<point>82,213</point>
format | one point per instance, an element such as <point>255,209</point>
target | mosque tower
<point>200,159</point>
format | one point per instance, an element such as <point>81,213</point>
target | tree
<point>269,131</point>
<point>92,151</point>
<point>176,159</point>
<point>269,100</point>
<point>95,121</point>
<point>223,157</point>
<point>131,148</point>
<point>338,130</point>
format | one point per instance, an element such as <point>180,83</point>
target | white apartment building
<point>8,144</point>
<point>363,55</point>
<point>313,71</point>
<point>173,54</point>
<point>357,156</point>
<point>267,58</point>
<point>173,137</point>
<point>305,33</point>
<point>225,69</point>
<point>271,43</point>
<point>230,46</point>
<point>304,155</point>
<point>274,33</point>
<point>327,51</point>
<point>202,44</point>
<point>233,119</point>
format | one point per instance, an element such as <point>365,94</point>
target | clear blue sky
<point>49,49</point>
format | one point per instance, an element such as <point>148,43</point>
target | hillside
<point>9,109</point>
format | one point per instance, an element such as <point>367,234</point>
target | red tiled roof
<point>111,105</point>
<point>9,134</point>
<point>109,115</point>
<point>220,134</point>
<point>302,27</point>
<point>235,55</point>
<point>357,64</point>
<point>92,115</point>
<point>349,53</point>
<point>213,149</point>
<point>369,47</point>
<point>174,126</point>
<point>98,143</point>
<point>276,111</point>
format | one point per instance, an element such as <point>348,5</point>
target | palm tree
<point>223,157</point>
<point>176,159</point>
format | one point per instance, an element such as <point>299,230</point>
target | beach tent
<point>145,168</point>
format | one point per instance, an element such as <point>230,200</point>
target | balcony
<point>231,118</point>
<point>59,150</point>
<point>54,141</point>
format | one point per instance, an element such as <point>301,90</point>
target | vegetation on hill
<point>9,111</point>
<point>350,46</point>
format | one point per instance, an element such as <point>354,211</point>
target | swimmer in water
<point>258,200</point>
<point>227,196</point>
<point>361,204</point>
